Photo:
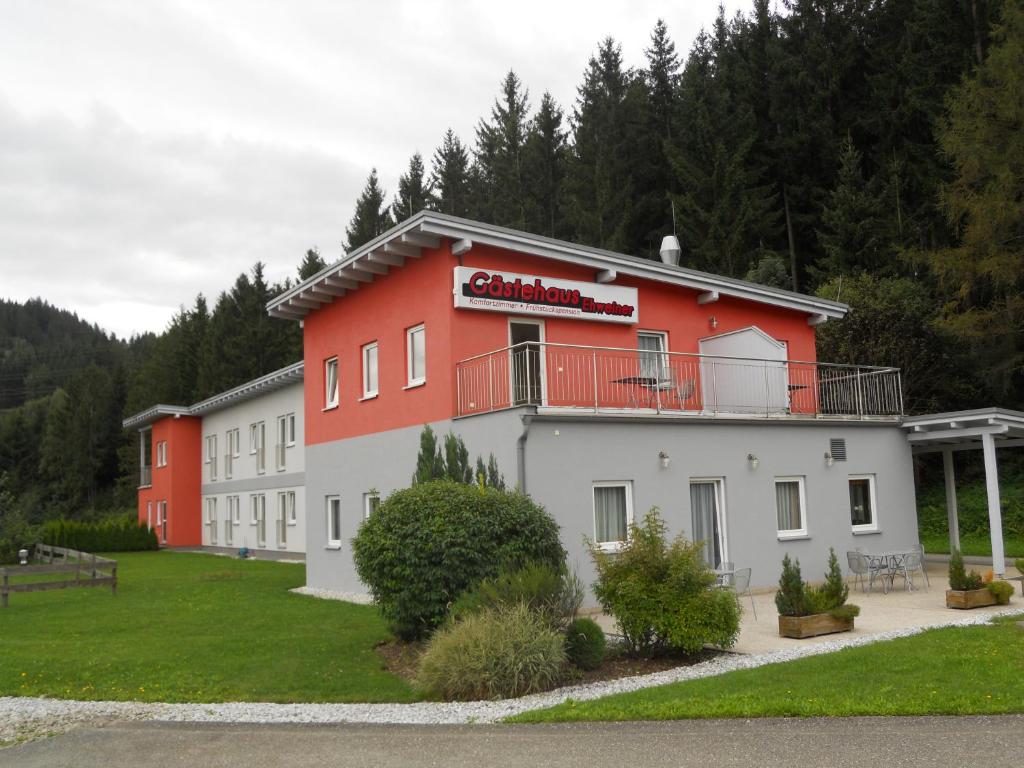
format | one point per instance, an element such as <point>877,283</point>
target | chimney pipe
<point>670,250</point>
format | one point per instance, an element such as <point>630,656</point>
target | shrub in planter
<point>959,579</point>
<point>661,593</point>
<point>585,643</point>
<point>495,653</point>
<point>555,594</point>
<point>1002,591</point>
<point>426,545</point>
<point>807,611</point>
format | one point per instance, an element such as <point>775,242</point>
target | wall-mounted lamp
<point>665,459</point>
<point>23,556</point>
<point>713,322</point>
<point>829,461</point>
<point>754,461</point>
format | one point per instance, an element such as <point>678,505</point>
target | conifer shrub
<point>960,580</point>
<point>585,643</point>
<point>791,599</point>
<point>796,598</point>
<point>495,653</point>
<point>426,545</point>
<point>555,594</point>
<point>661,593</point>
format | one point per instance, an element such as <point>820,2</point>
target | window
<point>229,521</point>
<point>290,505</point>
<point>259,505</point>
<point>416,352</point>
<point>253,508</point>
<point>371,501</point>
<point>331,383</point>
<point>282,442</point>
<point>211,455</point>
<point>149,515</point>
<point>613,513</point>
<point>211,519</point>
<point>285,516</point>
<point>707,514</point>
<point>291,429</point>
<point>161,453</point>
<point>334,522</point>
<point>161,520</point>
<point>253,439</point>
<point>233,443</point>
<point>862,503</point>
<point>790,506</point>
<point>370,373</point>
<point>258,438</point>
<point>652,346</point>
<point>234,510</point>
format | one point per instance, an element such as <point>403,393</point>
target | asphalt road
<point>936,741</point>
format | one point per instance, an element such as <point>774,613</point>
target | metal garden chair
<point>741,586</point>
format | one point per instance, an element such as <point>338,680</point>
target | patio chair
<point>726,573</point>
<point>671,386</point>
<point>859,567</point>
<point>911,562</point>
<point>741,586</point>
<point>924,568</point>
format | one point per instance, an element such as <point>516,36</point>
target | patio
<point>899,609</point>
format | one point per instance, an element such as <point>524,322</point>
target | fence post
<point>113,584</point>
<point>4,588</point>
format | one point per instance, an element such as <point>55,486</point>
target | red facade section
<point>177,483</point>
<point>421,292</point>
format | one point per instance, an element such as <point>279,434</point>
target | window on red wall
<point>416,353</point>
<point>331,383</point>
<point>370,371</point>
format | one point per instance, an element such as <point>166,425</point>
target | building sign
<point>494,291</point>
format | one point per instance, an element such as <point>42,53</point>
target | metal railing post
<point>714,384</point>
<point>594,356</point>
<point>490,382</point>
<point>860,400</point>
<point>767,392</point>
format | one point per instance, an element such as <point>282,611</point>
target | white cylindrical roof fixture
<point>670,250</point>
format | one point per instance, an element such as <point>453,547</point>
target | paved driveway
<point>933,742</point>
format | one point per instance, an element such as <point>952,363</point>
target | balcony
<point>611,380</point>
<point>145,477</point>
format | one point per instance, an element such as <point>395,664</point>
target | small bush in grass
<point>426,545</point>
<point>959,579</point>
<point>495,653</point>
<point>585,643</point>
<point>555,594</point>
<point>1002,591</point>
<point>661,593</point>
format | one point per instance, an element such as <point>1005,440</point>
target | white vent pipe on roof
<point>670,250</point>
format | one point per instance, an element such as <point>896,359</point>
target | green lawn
<point>188,627</point>
<point>954,671</point>
<point>978,544</point>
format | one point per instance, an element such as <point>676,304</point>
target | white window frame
<point>290,429</point>
<point>211,518</point>
<point>281,442</point>
<point>260,516</point>
<point>292,517</point>
<point>253,514</point>
<point>801,481</point>
<point>872,497</point>
<point>234,443</point>
<point>372,347</point>
<point>253,439</point>
<point>211,455</point>
<point>367,498</point>
<point>261,447</point>
<point>331,398</point>
<point>662,337</point>
<point>235,509</point>
<point>719,483</point>
<point>415,381</point>
<point>161,453</point>
<point>333,543</point>
<point>611,546</point>
<point>149,515</point>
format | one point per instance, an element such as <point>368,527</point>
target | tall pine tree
<point>449,176</point>
<point>372,216</point>
<point>414,190</point>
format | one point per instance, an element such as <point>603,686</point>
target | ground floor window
<point>862,503</point>
<point>334,521</point>
<point>211,519</point>
<point>149,515</point>
<point>707,512</point>
<point>371,501</point>
<point>161,520</point>
<point>613,513</point>
<point>790,506</point>
<point>258,504</point>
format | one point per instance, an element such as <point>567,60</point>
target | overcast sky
<point>153,150</point>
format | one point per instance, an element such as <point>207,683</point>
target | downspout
<point>521,453</point>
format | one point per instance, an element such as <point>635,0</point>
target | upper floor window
<point>291,429</point>
<point>257,445</point>
<point>370,372</point>
<point>233,443</point>
<point>653,362</point>
<point>161,453</point>
<point>416,352</point>
<point>331,383</point>
<point>790,506</point>
<point>282,442</point>
<point>211,455</point>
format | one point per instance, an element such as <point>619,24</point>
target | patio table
<point>649,385</point>
<point>886,564</point>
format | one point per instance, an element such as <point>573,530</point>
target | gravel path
<point>26,718</point>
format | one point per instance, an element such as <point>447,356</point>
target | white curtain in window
<point>787,502</point>
<point>704,511</point>
<point>651,357</point>
<point>610,511</point>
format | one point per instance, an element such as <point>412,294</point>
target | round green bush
<point>494,654</point>
<point>585,643</point>
<point>426,545</point>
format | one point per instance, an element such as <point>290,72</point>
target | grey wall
<point>566,455</point>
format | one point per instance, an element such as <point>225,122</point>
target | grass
<point>194,628</point>
<point>972,544</point>
<point>953,671</point>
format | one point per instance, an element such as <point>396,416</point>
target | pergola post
<point>995,516</point>
<point>951,511</point>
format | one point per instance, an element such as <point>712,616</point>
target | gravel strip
<point>360,598</point>
<point>22,718</point>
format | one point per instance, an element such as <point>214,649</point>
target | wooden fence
<point>89,571</point>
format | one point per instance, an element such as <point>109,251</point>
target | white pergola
<point>984,428</point>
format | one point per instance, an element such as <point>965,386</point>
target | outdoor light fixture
<point>713,322</point>
<point>23,556</point>
<point>829,461</point>
<point>754,461</point>
<point>665,459</point>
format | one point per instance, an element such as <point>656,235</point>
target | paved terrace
<point>880,613</point>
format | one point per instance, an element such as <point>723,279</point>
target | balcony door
<point>707,513</point>
<point>525,337</point>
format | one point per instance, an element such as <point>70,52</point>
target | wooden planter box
<point>812,626</point>
<point>974,598</point>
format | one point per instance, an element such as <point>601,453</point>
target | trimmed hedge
<point>120,535</point>
<point>426,545</point>
<point>585,643</point>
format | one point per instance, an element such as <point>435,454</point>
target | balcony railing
<point>609,379</point>
<point>145,477</point>
<point>279,453</point>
